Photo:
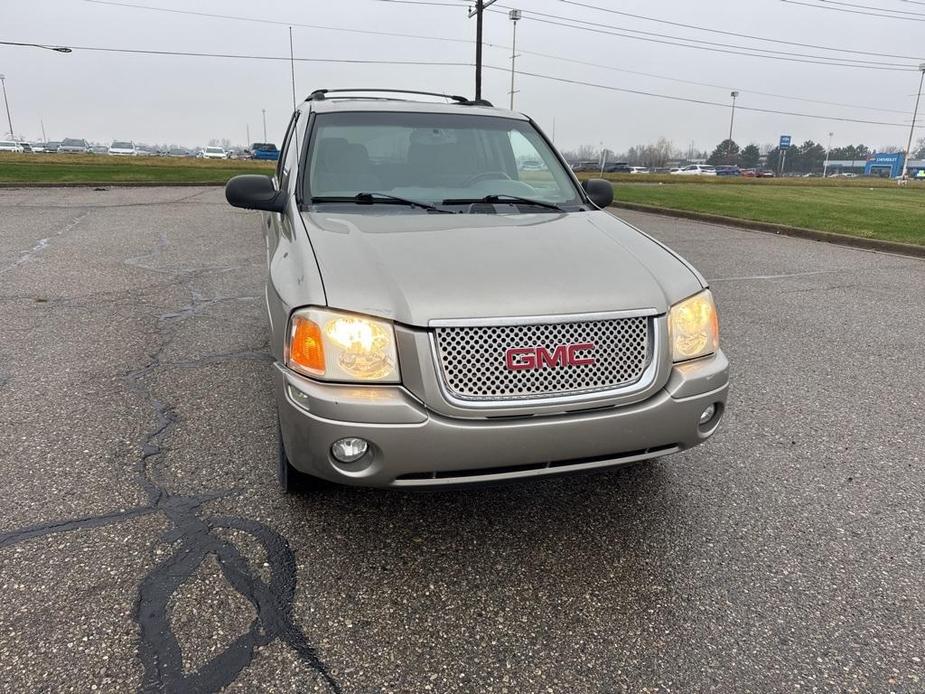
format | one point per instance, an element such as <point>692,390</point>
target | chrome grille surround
<point>470,357</point>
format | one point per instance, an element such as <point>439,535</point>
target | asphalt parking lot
<point>144,544</point>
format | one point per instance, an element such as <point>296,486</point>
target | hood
<point>414,268</point>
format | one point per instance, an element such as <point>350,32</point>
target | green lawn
<point>100,168</point>
<point>889,213</point>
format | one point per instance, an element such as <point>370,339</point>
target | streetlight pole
<point>7,104</point>
<point>915,115</point>
<point>732,118</point>
<point>514,15</point>
<point>264,112</point>
<point>825,165</point>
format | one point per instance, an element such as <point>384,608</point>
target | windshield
<point>73,143</point>
<point>433,158</point>
<point>214,150</point>
<point>122,145</point>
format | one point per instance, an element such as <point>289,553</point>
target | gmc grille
<point>474,366</point>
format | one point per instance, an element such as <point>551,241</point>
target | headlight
<point>693,327</point>
<point>341,347</point>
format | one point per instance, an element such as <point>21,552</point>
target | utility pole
<point>247,142</point>
<point>732,118</point>
<point>477,12</point>
<point>915,114</point>
<point>825,165</point>
<point>514,15</point>
<point>264,112</point>
<point>7,104</point>
<point>44,138</point>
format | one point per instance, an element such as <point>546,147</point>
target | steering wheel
<point>486,176</point>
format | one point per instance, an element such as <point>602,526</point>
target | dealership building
<point>884,165</point>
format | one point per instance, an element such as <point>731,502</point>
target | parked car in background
<point>71,145</point>
<point>38,146</point>
<point>728,171</point>
<point>696,170</point>
<point>213,153</point>
<point>179,152</point>
<point>586,166</point>
<point>52,147</point>
<point>617,167</point>
<point>99,149</point>
<point>639,169</point>
<point>123,149</point>
<point>765,173</point>
<point>266,151</point>
<point>10,146</point>
<point>27,147</point>
<point>532,165</point>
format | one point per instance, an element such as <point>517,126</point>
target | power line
<point>260,20</point>
<point>712,85</point>
<point>703,102</point>
<point>869,7</point>
<point>239,56</point>
<point>737,34</point>
<point>462,64</point>
<point>746,51</point>
<point>722,46</point>
<point>545,55</point>
<point>846,10</point>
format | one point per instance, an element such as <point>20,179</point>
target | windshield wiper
<point>381,198</point>
<point>502,198</point>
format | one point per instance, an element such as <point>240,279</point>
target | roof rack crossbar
<point>322,94</point>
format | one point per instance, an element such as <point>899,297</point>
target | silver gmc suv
<point>448,304</point>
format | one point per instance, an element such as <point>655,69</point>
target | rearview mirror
<point>255,192</point>
<point>599,190</point>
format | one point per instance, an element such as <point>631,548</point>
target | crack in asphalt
<point>42,244</point>
<point>192,536</point>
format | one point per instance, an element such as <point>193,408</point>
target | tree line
<point>808,157</point>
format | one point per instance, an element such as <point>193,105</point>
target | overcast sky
<point>189,100</point>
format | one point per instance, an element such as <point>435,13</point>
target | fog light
<point>349,450</point>
<point>707,414</point>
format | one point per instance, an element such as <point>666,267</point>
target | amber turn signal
<point>306,350</point>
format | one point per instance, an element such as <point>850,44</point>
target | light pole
<point>732,118</point>
<point>56,49</point>
<point>915,115</point>
<point>514,15</point>
<point>7,104</point>
<point>825,165</point>
<point>264,112</point>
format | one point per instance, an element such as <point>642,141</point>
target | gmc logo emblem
<point>518,358</point>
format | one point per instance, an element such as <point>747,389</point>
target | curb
<point>112,184</point>
<point>878,245</point>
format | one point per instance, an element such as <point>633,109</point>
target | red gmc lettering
<point>518,358</point>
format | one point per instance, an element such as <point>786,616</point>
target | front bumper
<point>413,446</point>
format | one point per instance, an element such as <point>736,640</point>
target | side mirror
<point>255,192</point>
<point>599,190</point>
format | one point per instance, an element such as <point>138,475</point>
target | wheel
<point>290,480</point>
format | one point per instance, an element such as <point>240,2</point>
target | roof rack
<point>322,94</point>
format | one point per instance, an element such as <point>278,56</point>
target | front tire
<point>291,481</point>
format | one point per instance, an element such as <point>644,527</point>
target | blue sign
<point>784,142</point>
